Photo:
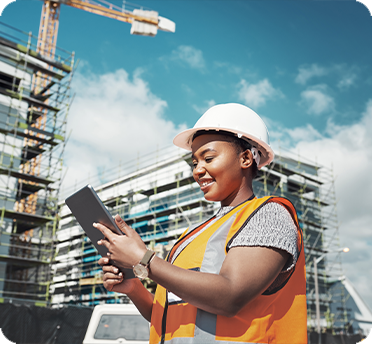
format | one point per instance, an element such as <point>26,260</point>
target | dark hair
<point>241,145</point>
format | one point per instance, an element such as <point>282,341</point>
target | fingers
<point>123,226</point>
<point>103,261</point>
<point>105,231</point>
<point>104,242</point>
<point>111,280</point>
<point>110,268</point>
<point>107,276</point>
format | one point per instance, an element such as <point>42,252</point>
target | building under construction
<point>34,102</point>
<point>46,259</point>
<point>159,198</point>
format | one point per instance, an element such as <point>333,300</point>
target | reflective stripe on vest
<point>276,317</point>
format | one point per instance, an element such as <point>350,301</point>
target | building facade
<point>34,101</point>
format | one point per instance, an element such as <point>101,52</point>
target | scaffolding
<point>34,103</point>
<point>159,198</point>
<point>311,189</point>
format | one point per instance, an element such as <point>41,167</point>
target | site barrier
<point>29,324</point>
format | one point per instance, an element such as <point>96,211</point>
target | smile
<point>205,183</point>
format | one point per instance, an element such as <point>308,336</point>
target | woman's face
<point>218,169</point>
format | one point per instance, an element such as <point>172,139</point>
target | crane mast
<point>144,22</point>
<point>48,30</point>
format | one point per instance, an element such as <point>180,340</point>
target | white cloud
<point>308,133</point>
<point>189,55</point>
<point>305,73</point>
<point>205,107</point>
<point>348,150</point>
<point>346,75</point>
<point>316,100</point>
<point>256,95</point>
<point>113,118</point>
<point>347,81</point>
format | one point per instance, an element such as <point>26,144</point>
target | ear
<point>246,159</point>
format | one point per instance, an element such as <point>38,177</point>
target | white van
<point>117,323</point>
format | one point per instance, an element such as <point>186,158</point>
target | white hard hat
<point>234,118</point>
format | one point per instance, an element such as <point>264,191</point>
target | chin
<point>212,198</point>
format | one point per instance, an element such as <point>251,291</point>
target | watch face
<point>140,271</point>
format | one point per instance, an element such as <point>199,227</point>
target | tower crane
<point>144,22</point>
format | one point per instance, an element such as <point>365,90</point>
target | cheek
<point>194,174</point>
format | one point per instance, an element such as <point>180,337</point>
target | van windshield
<point>129,327</point>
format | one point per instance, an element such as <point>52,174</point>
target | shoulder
<point>274,209</point>
<point>272,225</point>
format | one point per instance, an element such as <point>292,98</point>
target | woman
<point>239,277</point>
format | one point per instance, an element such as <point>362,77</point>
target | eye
<point>208,159</point>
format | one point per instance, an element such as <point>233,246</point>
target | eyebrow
<point>204,151</point>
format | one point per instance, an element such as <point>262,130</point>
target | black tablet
<point>87,207</point>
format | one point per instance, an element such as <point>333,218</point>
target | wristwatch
<point>141,270</point>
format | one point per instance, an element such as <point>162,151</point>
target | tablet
<point>87,207</point>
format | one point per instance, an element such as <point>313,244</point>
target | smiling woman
<point>212,153</point>
<point>239,276</point>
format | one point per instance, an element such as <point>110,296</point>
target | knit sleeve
<point>271,226</point>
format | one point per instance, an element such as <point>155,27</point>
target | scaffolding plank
<point>114,201</point>
<point>165,212</point>
<point>27,99</point>
<point>312,223</point>
<point>24,262</point>
<point>270,178</point>
<point>281,169</point>
<point>23,49</point>
<point>111,202</point>
<point>288,172</point>
<point>90,281</point>
<point>35,67</point>
<point>39,131</point>
<point>33,219</point>
<point>26,176</point>
<point>46,88</point>
<point>301,188</point>
<point>26,189</point>
<point>173,185</point>
<point>22,134</point>
<point>30,152</point>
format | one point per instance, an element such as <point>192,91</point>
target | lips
<point>205,183</point>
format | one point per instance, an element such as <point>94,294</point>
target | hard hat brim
<point>184,140</point>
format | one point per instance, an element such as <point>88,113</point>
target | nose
<point>198,171</point>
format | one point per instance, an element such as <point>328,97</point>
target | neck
<point>238,198</point>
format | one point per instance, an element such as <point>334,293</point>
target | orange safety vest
<point>275,317</point>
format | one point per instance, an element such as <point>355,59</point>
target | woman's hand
<point>123,250</point>
<point>114,280</point>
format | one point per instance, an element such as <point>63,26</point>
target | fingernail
<point>99,242</point>
<point>116,270</point>
<point>121,274</point>
<point>106,260</point>
<point>94,224</point>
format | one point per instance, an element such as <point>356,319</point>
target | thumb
<point>127,230</point>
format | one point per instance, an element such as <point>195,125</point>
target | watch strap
<point>147,257</point>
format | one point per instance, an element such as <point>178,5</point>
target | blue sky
<point>305,66</point>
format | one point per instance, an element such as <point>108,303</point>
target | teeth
<point>206,183</point>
